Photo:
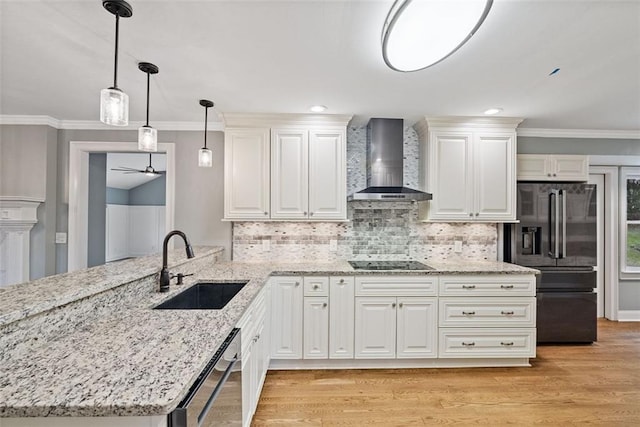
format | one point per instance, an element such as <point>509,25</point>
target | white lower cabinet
<point>341,317</point>
<point>286,317</point>
<point>390,327</point>
<point>316,328</point>
<point>254,330</point>
<point>489,342</point>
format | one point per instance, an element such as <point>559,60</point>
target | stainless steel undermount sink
<point>203,296</point>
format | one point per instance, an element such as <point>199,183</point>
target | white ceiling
<point>127,181</point>
<point>268,56</point>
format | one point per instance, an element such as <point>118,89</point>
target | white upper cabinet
<point>558,167</point>
<point>246,173</point>
<point>299,173</point>
<point>468,164</point>
<point>289,173</point>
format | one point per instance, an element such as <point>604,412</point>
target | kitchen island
<point>89,344</point>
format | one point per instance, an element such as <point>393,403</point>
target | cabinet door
<point>316,328</point>
<point>286,318</point>
<point>533,167</point>
<point>494,177</point>
<point>327,174</point>
<point>450,176</point>
<point>289,173</point>
<point>417,328</point>
<point>247,391</point>
<point>246,173</point>
<point>341,317</point>
<point>375,327</point>
<point>570,168</point>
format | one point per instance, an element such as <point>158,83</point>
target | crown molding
<point>97,125</point>
<point>579,133</point>
<point>270,120</point>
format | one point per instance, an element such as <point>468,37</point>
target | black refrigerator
<point>557,234</point>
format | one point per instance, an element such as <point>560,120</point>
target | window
<point>630,220</point>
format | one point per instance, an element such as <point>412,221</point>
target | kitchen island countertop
<point>140,361</point>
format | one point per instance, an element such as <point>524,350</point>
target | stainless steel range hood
<point>385,164</point>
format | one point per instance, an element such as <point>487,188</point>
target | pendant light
<point>147,136</point>
<point>420,33</point>
<point>114,103</point>
<point>205,155</point>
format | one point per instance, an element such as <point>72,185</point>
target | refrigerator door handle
<point>554,225</point>
<point>563,195</point>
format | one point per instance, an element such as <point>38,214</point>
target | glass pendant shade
<point>147,139</point>
<point>114,107</point>
<point>205,158</point>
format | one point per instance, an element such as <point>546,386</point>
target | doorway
<point>79,192</point>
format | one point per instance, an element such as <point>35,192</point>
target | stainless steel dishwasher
<point>215,399</point>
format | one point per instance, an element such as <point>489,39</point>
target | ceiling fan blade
<point>124,169</point>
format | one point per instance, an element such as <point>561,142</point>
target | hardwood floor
<point>595,384</point>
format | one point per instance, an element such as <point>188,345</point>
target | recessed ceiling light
<point>318,108</point>
<point>419,34</point>
<point>492,111</point>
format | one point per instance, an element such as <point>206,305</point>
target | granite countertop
<point>140,361</point>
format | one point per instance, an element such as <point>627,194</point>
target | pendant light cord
<point>115,66</point>
<point>206,109</point>
<point>148,78</point>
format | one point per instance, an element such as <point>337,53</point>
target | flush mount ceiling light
<point>114,103</point>
<point>147,136</point>
<point>492,111</point>
<point>419,34</point>
<point>318,108</point>
<point>205,155</point>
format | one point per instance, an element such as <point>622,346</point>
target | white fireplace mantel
<point>18,215</point>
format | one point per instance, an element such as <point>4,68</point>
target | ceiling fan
<point>149,170</point>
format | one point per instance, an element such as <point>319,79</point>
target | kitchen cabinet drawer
<point>316,286</point>
<point>472,343</point>
<point>488,285</point>
<point>488,312</point>
<point>407,286</point>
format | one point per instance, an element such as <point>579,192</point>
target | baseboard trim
<point>628,315</point>
<point>285,364</point>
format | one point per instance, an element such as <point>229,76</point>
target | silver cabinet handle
<point>470,213</point>
<point>342,281</point>
<point>266,213</point>
<point>506,286</point>
<point>554,174</point>
<point>324,305</point>
<point>468,313</point>
<point>401,304</point>
<point>393,305</point>
<point>548,174</point>
<point>477,213</point>
<point>506,313</point>
<point>310,213</point>
<point>316,287</point>
<point>506,344</point>
<point>304,213</point>
<point>468,344</point>
<point>468,286</point>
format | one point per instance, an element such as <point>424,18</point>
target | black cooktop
<point>389,265</point>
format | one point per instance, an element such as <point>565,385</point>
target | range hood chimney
<point>385,141</point>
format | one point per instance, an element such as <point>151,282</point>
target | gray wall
<point>150,193</point>
<point>117,196</point>
<point>97,217</point>
<point>199,191</point>
<point>28,169</point>
<point>629,290</point>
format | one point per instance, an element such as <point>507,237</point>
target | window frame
<point>626,271</point>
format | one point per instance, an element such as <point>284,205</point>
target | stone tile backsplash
<point>376,231</point>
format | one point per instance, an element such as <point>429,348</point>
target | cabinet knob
<point>470,213</point>
<point>342,281</point>
<point>297,284</point>
<point>304,213</point>
<point>310,213</point>
<point>554,174</point>
<point>548,174</point>
<point>316,287</point>
<point>477,214</point>
<point>324,305</point>
<point>266,213</point>
<point>400,305</point>
<point>393,305</point>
